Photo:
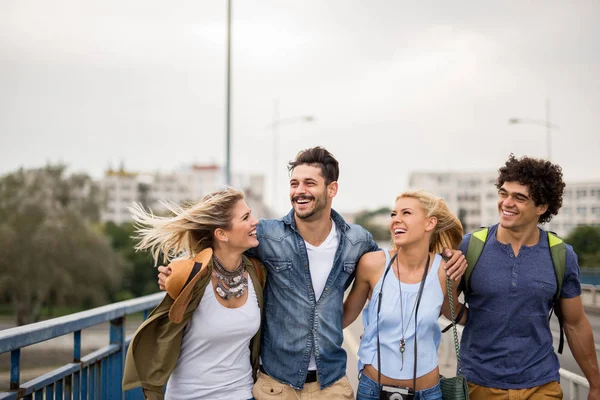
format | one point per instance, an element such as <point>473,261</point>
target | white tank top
<point>214,362</point>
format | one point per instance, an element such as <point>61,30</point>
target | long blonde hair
<point>448,232</point>
<point>189,229</point>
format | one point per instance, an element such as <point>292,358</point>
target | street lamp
<point>545,123</point>
<point>228,101</point>
<point>274,126</point>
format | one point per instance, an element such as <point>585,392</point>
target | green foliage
<point>365,216</point>
<point>462,217</point>
<point>51,254</point>
<point>379,233</point>
<point>586,243</point>
<point>140,279</point>
<point>365,219</point>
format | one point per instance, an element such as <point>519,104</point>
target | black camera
<point>396,393</point>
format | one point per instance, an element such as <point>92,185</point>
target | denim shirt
<point>294,321</point>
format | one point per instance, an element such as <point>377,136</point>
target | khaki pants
<point>267,388</point>
<point>551,390</point>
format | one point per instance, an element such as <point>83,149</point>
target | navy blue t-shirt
<point>507,342</point>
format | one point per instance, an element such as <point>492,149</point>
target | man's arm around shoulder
<point>370,245</point>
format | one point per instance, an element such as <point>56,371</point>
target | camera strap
<point>416,312</point>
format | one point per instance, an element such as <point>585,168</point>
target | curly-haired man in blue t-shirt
<point>507,349</point>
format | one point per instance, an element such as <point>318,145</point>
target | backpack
<point>558,251</point>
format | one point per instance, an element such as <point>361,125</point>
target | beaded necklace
<point>230,283</point>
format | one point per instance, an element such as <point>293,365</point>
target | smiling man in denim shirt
<point>310,254</point>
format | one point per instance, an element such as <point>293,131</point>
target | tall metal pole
<point>548,130</point>
<point>228,121</point>
<point>275,150</point>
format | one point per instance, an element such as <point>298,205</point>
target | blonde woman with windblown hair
<point>203,338</point>
<point>406,287</point>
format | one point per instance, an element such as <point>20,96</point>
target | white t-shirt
<point>214,362</point>
<point>320,262</point>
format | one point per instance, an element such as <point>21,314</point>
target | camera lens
<point>396,396</point>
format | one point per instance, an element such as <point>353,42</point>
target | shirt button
<point>511,256</point>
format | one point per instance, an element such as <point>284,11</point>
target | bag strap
<point>474,249</point>
<point>476,244</point>
<point>558,251</point>
<point>379,309</point>
<point>455,333</point>
<point>416,312</point>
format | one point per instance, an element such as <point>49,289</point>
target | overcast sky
<point>395,86</point>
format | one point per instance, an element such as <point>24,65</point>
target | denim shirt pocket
<point>280,272</point>
<point>345,273</point>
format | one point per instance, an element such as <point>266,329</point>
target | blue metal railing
<point>97,375</point>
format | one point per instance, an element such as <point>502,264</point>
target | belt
<point>311,376</point>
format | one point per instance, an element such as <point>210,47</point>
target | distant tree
<point>140,278</point>
<point>586,243</point>
<point>52,251</point>
<point>365,219</point>
<point>462,217</point>
<point>144,193</point>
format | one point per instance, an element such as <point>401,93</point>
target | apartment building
<point>123,188</point>
<point>473,197</point>
<point>470,195</point>
<point>581,206</point>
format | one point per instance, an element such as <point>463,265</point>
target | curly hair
<point>543,179</point>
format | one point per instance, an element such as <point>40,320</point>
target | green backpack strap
<point>474,250</point>
<point>558,251</point>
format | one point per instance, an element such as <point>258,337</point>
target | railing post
<point>77,346</point>
<point>117,336</point>
<point>573,390</point>
<point>15,369</point>
<point>73,382</point>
